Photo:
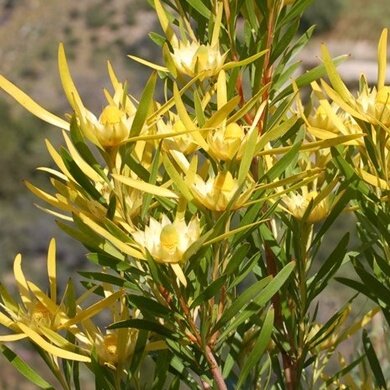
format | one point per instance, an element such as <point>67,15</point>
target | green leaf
<point>247,158</point>
<point>237,258</point>
<point>152,180</point>
<point>144,106</point>
<point>258,348</point>
<point>24,368</point>
<point>145,325</point>
<point>375,286</point>
<point>308,77</point>
<point>199,6</point>
<point>328,268</point>
<point>343,372</point>
<point>149,306</point>
<point>373,361</point>
<point>241,302</point>
<point>210,291</point>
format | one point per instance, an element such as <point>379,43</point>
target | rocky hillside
<point>92,30</point>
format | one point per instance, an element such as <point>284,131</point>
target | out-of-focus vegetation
<point>322,14</point>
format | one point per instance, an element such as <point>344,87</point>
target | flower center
<point>40,315</point>
<point>169,237</point>
<point>111,344</point>
<point>233,131</point>
<point>111,115</point>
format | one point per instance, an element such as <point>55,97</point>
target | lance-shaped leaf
<point>259,347</point>
<point>32,106</point>
<point>29,373</point>
<point>67,81</point>
<point>382,59</point>
<point>144,106</point>
<point>146,187</point>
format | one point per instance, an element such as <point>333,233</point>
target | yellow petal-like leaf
<point>30,105</point>
<point>373,180</point>
<point>333,75</point>
<point>149,64</point>
<point>6,321</point>
<point>50,348</point>
<point>221,90</point>
<point>165,25</point>
<point>6,338</point>
<point>94,309</point>
<point>123,247</point>
<point>382,59</point>
<point>85,168</point>
<point>66,79</point>
<point>51,269</point>
<point>145,187</point>
<point>179,273</point>
<point>186,119</point>
<point>21,280</point>
<point>57,159</point>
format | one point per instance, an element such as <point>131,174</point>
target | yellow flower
<point>217,192</point>
<point>182,142</point>
<point>193,58</point>
<point>382,105</point>
<point>227,142</point>
<point>111,129</point>
<point>321,120</point>
<point>167,241</point>
<point>115,347</point>
<point>376,104</point>
<point>298,204</point>
<point>38,316</point>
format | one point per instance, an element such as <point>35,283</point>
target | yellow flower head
<point>227,142</point>
<point>113,126</point>
<point>376,104</point>
<point>321,120</point>
<point>298,204</point>
<point>382,105</point>
<point>38,317</point>
<point>115,347</point>
<point>167,241</point>
<point>190,59</point>
<point>184,143</point>
<point>218,191</point>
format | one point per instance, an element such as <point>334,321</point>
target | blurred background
<point>94,31</point>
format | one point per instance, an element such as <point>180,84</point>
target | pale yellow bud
<point>112,128</point>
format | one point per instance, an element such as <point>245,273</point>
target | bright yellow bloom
<point>217,192</point>
<point>115,347</point>
<point>376,104</point>
<point>193,58</point>
<point>227,142</point>
<point>183,142</point>
<point>38,316</point>
<point>167,241</point>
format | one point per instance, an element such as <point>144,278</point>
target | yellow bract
<point>217,192</point>
<point>167,241</point>
<point>227,142</point>
<point>191,59</point>
<point>298,205</point>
